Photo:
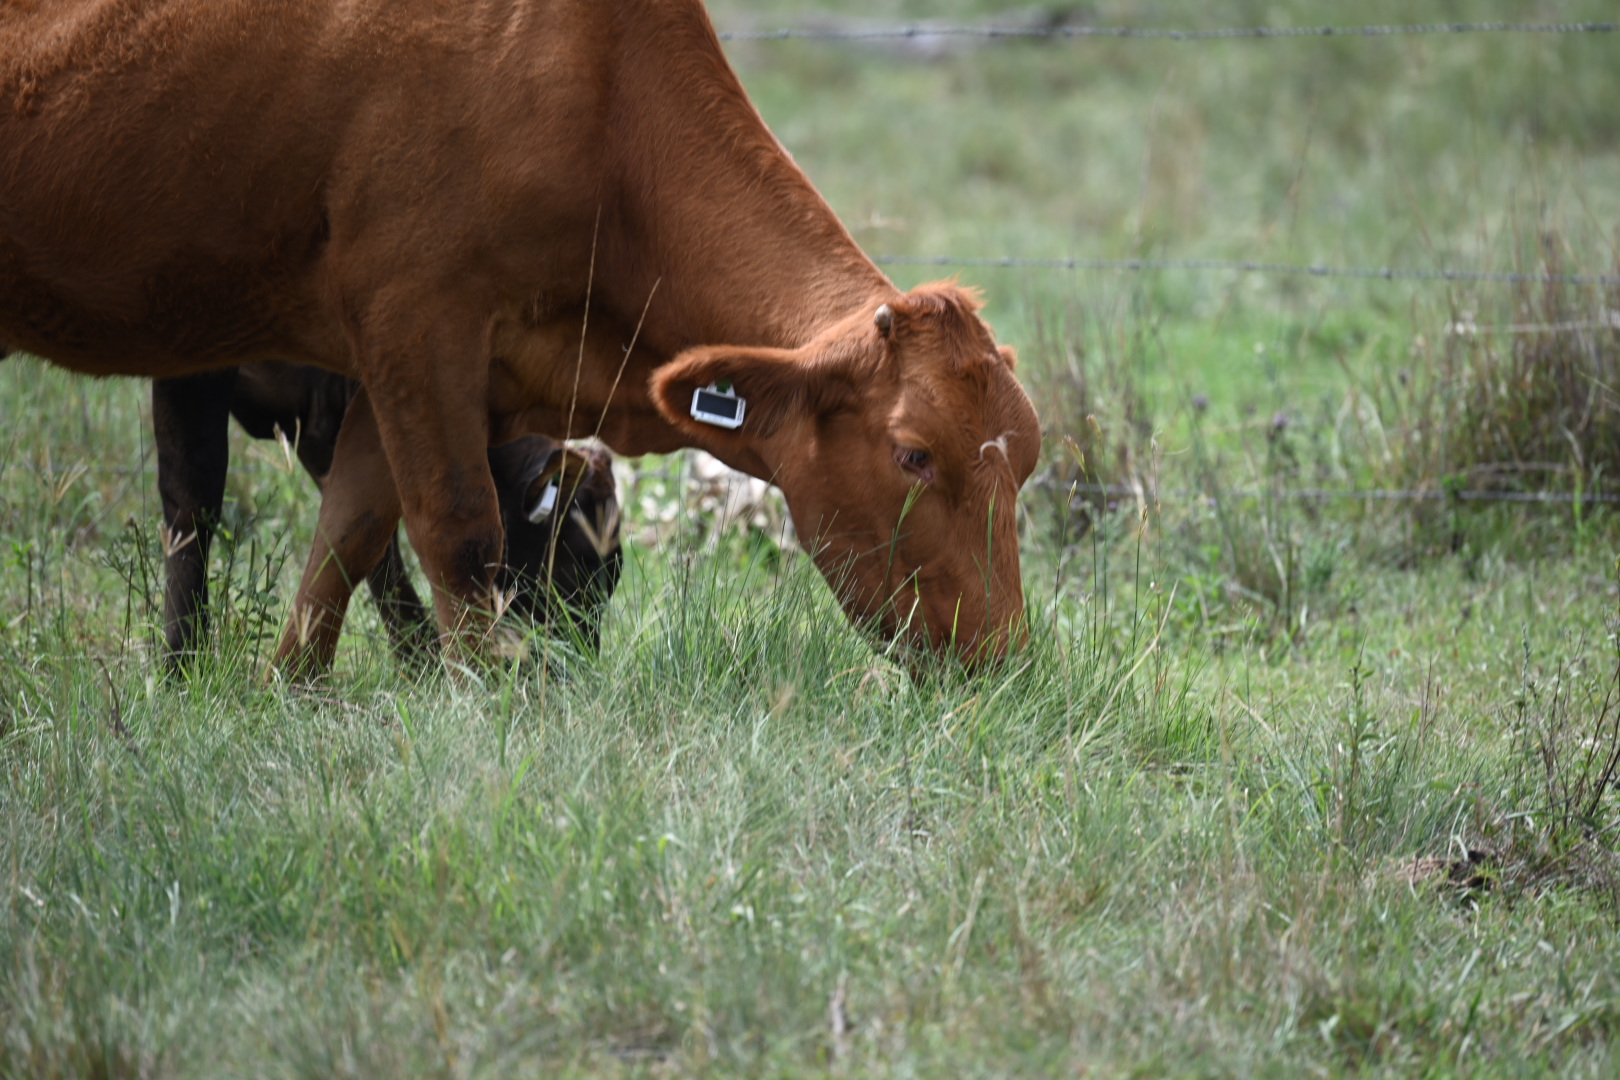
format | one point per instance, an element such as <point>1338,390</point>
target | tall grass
<point>1537,394</point>
<point>694,853</point>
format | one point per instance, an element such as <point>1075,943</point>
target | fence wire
<point>1244,266</point>
<point>1126,491</point>
<point>923,30</point>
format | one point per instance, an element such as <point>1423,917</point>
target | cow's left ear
<point>542,472</point>
<point>775,385</point>
<point>522,463</point>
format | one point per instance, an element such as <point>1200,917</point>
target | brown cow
<point>476,209</point>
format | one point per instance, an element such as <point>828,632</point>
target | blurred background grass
<point>1418,152</point>
<point>1492,152</point>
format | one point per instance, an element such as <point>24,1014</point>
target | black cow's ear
<point>519,464</point>
<point>555,483</point>
<point>543,491</point>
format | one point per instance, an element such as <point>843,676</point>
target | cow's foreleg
<point>435,427</point>
<point>190,421</point>
<point>359,516</point>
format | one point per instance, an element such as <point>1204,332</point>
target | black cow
<point>306,406</point>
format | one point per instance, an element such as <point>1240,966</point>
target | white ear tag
<point>547,503</point>
<point>718,404</point>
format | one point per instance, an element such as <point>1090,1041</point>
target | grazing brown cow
<point>559,565</point>
<point>504,216</point>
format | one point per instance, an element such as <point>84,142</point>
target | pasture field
<point>1282,787</point>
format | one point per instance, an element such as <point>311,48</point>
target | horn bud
<point>884,320</point>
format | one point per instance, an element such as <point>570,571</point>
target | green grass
<point>1207,825</point>
<point>1132,856</point>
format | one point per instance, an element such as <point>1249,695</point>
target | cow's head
<point>560,510</point>
<point>900,438</point>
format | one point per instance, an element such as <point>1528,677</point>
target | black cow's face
<point>562,554</point>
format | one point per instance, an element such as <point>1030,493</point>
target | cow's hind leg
<point>404,616</point>
<point>359,516</point>
<point>190,422</point>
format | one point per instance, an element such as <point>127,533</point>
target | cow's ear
<point>775,386</point>
<point>556,484</point>
<point>524,461</point>
<point>529,466</point>
<point>543,493</point>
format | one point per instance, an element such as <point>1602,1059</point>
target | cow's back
<point>178,176</point>
<point>149,179</point>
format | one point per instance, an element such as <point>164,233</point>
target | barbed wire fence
<point>1056,31</point>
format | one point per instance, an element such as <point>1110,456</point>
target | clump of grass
<point>1537,401</point>
<point>1493,397</point>
<point>1254,547</point>
<point>1554,823</point>
<point>1097,422</point>
<point>1566,818</point>
<point>1438,410</point>
<point>1253,561</point>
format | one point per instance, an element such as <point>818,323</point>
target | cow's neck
<point>705,202</point>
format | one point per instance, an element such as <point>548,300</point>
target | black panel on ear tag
<point>717,406</point>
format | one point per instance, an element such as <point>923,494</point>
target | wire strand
<point>1064,32</point>
<point>1330,494</point>
<point>1243,266</point>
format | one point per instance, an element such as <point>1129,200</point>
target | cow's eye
<point>920,462</point>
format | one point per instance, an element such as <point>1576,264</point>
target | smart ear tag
<point>547,503</point>
<point>718,404</point>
